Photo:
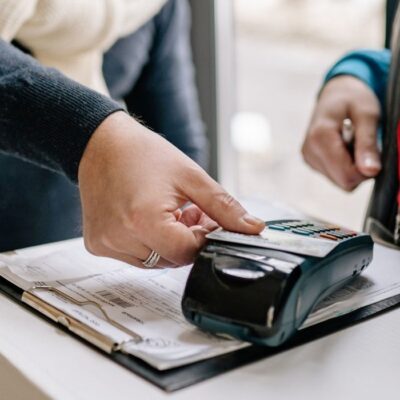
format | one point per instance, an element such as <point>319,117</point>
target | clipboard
<point>182,377</point>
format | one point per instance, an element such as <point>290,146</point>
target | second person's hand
<point>324,148</point>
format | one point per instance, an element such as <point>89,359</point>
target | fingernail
<point>251,220</point>
<point>369,161</point>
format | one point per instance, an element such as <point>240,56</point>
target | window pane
<point>283,49</point>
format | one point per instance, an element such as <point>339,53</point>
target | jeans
<point>150,70</point>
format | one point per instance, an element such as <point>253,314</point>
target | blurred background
<point>283,48</point>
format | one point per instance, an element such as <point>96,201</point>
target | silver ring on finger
<point>152,260</point>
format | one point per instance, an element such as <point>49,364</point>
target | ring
<point>151,260</point>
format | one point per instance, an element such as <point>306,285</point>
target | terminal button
<point>277,227</point>
<point>328,236</point>
<point>304,232</point>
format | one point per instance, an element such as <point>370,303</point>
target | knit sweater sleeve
<point>45,117</point>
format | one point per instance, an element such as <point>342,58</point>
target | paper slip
<point>147,302</point>
<point>276,240</point>
<point>69,262</point>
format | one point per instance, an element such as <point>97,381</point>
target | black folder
<point>181,377</point>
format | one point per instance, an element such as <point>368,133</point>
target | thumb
<point>219,205</point>
<point>367,156</point>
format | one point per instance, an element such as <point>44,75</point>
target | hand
<point>133,184</point>
<point>324,149</point>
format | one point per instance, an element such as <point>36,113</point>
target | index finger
<point>219,205</point>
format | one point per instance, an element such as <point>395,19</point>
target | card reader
<point>240,287</point>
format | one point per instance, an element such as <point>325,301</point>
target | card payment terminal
<point>261,288</point>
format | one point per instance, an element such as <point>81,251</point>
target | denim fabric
<point>151,70</point>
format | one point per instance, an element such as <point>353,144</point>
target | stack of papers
<point>144,303</point>
<point>140,309</point>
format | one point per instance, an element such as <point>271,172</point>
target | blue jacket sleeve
<point>371,66</point>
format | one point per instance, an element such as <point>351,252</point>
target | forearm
<point>45,117</point>
<point>370,66</point>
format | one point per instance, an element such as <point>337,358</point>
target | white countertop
<point>39,361</point>
<point>361,362</point>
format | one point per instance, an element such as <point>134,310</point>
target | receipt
<point>70,262</point>
<point>143,302</point>
<point>147,302</point>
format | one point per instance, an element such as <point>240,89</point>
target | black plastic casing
<point>270,308</point>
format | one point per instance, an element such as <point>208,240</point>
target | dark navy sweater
<point>45,117</point>
<point>46,120</point>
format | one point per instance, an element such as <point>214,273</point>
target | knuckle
<point>106,241</point>
<point>319,137</point>
<point>184,253</point>
<point>374,114</point>
<point>362,149</point>
<point>320,134</point>
<point>369,111</point>
<point>318,128</point>
<point>317,143</point>
<point>134,218</point>
<point>347,184</point>
<point>195,175</point>
<point>365,142</point>
<point>226,200</point>
<point>349,187</point>
<point>185,257</point>
<point>92,245</point>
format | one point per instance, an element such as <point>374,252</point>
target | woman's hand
<point>133,184</point>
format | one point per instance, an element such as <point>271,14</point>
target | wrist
<point>107,136</point>
<point>345,86</point>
